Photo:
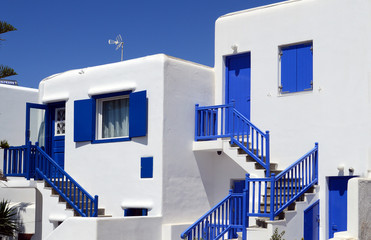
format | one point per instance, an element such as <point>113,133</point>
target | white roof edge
<point>259,8</point>
<point>19,88</point>
<point>137,204</point>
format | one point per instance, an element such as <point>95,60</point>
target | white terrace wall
<point>13,114</point>
<point>336,113</point>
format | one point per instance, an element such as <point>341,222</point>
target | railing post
<point>95,206</point>
<point>5,161</point>
<point>196,121</point>
<point>267,157</point>
<point>245,219</point>
<point>27,160</point>
<point>316,161</point>
<point>272,197</point>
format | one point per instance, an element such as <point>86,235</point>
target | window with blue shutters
<point>296,62</point>
<point>111,117</point>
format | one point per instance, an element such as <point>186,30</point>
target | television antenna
<point>119,44</point>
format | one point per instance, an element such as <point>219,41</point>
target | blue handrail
<point>278,192</point>
<point>212,122</point>
<point>28,160</point>
<point>16,161</point>
<point>250,139</point>
<point>262,197</point>
<point>225,218</point>
<point>65,185</point>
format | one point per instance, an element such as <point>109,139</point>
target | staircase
<point>265,198</point>
<point>30,161</point>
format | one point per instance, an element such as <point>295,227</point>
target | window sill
<point>124,139</point>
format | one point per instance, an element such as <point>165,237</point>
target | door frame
<point>312,220</point>
<point>51,130</point>
<point>330,218</point>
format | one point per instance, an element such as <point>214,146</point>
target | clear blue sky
<point>56,36</point>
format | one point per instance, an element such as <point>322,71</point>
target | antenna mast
<point>119,44</point>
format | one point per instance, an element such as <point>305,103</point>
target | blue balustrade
<point>16,161</point>
<point>250,139</point>
<point>65,185</point>
<point>270,196</point>
<point>32,162</point>
<point>262,197</point>
<point>212,122</point>
<point>222,221</point>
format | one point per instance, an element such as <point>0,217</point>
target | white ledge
<point>112,88</point>
<point>57,217</point>
<point>56,98</point>
<point>137,204</point>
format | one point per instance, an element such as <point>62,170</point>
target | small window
<point>131,212</point>
<point>59,122</point>
<point>296,64</point>
<point>113,117</point>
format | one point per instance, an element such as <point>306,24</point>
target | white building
<point>129,133</point>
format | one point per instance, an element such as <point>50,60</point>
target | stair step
<point>272,166</point>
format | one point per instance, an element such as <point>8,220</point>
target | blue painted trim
<point>146,170</point>
<point>28,111</point>
<point>138,114</point>
<point>83,120</point>
<point>319,210</point>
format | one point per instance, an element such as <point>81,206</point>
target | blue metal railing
<point>262,197</point>
<point>270,196</point>
<point>65,185</point>
<point>212,122</point>
<point>16,161</point>
<point>250,139</point>
<point>32,162</point>
<point>223,220</point>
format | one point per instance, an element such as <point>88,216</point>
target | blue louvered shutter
<point>83,120</point>
<point>304,63</point>
<point>138,114</point>
<point>288,69</point>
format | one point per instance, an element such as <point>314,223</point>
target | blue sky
<point>56,36</point>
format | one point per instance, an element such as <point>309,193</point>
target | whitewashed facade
<point>189,177</point>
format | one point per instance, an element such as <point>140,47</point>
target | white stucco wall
<point>337,112</point>
<point>112,170</point>
<point>13,114</point>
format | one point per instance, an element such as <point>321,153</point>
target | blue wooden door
<point>238,82</point>
<point>57,132</point>
<point>311,222</point>
<point>338,188</point>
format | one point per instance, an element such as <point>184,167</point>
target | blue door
<point>238,82</point>
<point>311,222</point>
<point>338,187</point>
<point>57,132</point>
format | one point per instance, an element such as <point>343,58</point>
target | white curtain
<point>115,118</point>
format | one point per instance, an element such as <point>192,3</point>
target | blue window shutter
<point>304,67</point>
<point>146,170</point>
<point>83,120</point>
<point>138,114</point>
<point>288,69</point>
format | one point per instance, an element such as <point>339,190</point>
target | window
<point>111,117</point>
<point>131,212</point>
<point>59,123</point>
<point>296,62</point>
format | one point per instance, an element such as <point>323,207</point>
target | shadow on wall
<point>217,172</point>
